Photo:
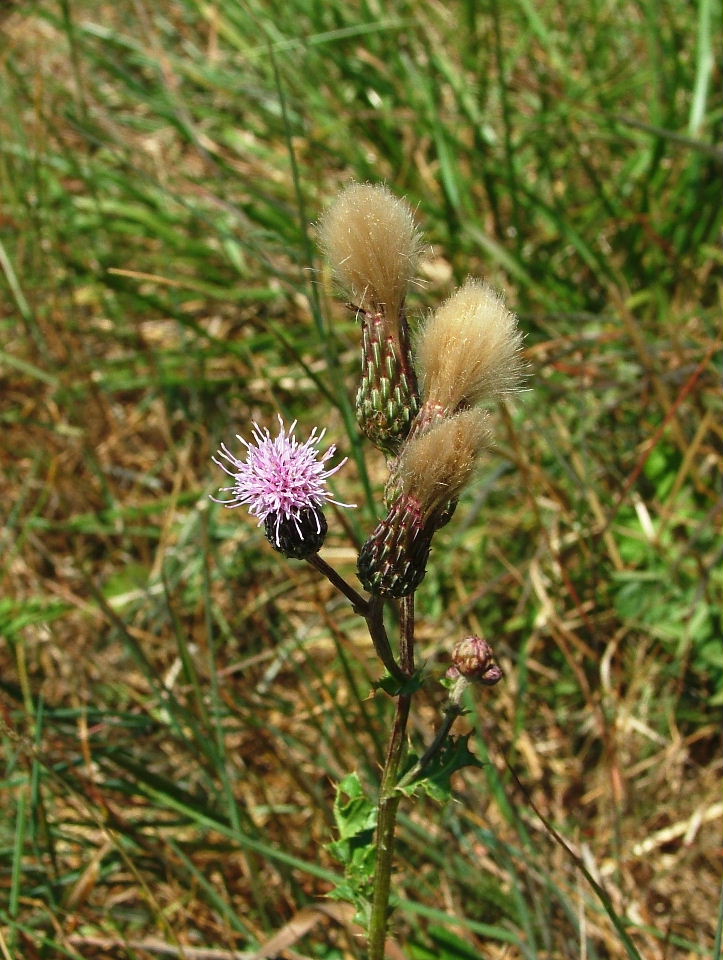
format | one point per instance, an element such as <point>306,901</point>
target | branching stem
<point>371,610</point>
<point>360,605</point>
<point>450,715</point>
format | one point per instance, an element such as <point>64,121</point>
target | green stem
<point>386,825</point>
<point>452,711</point>
<point>388,796</point>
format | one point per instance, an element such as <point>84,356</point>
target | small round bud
<point>297,537</point>
<point>474,659</point>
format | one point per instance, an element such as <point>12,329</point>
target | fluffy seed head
<point>281,481</point>
<point>432,469</point>
<point>372,243</point>
<point>436,465</point>
<point>469,350</point>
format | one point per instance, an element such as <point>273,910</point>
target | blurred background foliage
<point>177,701</point>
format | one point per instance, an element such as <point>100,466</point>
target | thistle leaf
<point>435,779</point>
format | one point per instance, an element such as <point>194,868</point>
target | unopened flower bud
<point>473,659</point>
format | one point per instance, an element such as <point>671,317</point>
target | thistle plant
<point>424,408</point>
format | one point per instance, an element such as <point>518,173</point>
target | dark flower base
<point>295,545</point>
<point>393,561</point>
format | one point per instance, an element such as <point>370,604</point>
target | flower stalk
<point>452,711</point>
<point>378,634</point>
<point>360,605</point>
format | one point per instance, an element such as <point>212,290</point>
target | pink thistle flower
<point>283,483</point>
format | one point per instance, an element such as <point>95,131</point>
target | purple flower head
<point>282,482</point>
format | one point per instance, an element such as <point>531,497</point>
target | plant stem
<point>378,633</point>
<point>358,602</point>
<point>372,611</point>
<point>386,825</point>
<point>388,796</point>
<point>406,634</point>
<point>450,715</point>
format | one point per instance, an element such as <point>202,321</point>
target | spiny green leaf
<point>435,778</point>
<point>394,687</point>
<point>354,812</point>
<point>355,816</point>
